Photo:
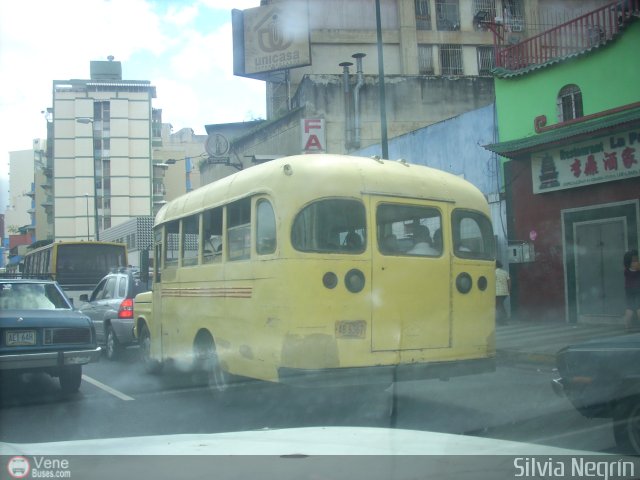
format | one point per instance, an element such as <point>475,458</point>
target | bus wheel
<point>150,365</point>
<point>207,363</point>
<point>112,347</point>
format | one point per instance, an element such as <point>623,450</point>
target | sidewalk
<point>539,342</point>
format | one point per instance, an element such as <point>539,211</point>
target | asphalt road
<point>117,399</point>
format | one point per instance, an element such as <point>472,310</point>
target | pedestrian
<point>503,289</point>
<point>631,289</point>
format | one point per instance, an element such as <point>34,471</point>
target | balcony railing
<point>577,35</point>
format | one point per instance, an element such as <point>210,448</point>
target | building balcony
<point>570,38</point>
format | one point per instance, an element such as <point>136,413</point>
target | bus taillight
<point>126,308</point>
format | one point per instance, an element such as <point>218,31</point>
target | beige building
<point>20,211</point>
<point>101,139</point>
<point>176,163</point>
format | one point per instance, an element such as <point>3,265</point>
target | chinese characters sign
<point>598,160</point>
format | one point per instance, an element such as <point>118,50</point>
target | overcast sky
<point>183,47</point>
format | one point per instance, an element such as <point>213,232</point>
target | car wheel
<point>209,369</point>
<point>70,378</point>
<point>112,347</point>
<point>626,425</point>
<point>150,365</point>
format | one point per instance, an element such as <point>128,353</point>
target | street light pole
<point>86,196</point>
<point>88,120</point>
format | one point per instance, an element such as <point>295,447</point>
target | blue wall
<point>454,145</point>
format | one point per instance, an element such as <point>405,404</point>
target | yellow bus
<point>76,266</point>
<point>323,268</point>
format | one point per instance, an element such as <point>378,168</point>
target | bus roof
<point>73,242</point>
<point>327,175</point>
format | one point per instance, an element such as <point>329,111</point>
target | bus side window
<point>239,229</point>
<point>265,228</point>
<point>212,235</point>
<point>172,237</point>
<point>157,254</point>
<point>190,237</point>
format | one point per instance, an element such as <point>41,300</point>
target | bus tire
<point>150,365</point>
<point>208,364</point>
<point>112,347</point>
<point>70,378</point>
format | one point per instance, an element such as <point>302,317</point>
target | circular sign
<point>217,145</point>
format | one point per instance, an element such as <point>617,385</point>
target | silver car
<point>110,307</point>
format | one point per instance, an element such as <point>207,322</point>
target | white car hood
<point>292,442</point>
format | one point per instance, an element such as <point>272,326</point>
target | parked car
<point>601,378</point>
<point>110,307</point>
<point>41,332</point>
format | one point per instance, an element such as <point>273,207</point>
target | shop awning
<point>599,125</point>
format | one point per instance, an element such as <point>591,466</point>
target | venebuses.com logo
<point>38,467</point>
<point>18,467</point>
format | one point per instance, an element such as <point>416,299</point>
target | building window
<point>447,15</point>
<point>423,16</point>
<point>483,11</point>
<point>513,15</point>
<point>451,59</point>
<point>486,60</point>
<point>569,103</point>
<point>425,59</point>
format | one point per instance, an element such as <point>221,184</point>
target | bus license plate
<point>23,337</point>
<point>351,329</point>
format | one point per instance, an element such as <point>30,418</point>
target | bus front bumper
<point>384,374</point>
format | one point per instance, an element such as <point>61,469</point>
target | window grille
<point>423,16</point>
<point>486,60</point>
<point>451,59</point>
<point>425,60</point>
<point>483,11</point>
<point>447,15</point>
<point>513,15</point>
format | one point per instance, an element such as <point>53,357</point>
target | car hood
<point>292,442</point>
<point>40,318</point>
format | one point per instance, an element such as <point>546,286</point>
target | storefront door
<point>599,272</point>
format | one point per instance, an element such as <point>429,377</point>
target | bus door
<point>410,275</point>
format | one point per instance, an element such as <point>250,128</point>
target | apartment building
<point>100,137</point>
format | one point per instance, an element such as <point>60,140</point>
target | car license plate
<point>22,337</point>
<point>351,329</point>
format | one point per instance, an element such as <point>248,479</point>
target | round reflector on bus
<point>482,283</point>
<point>464,283</point>
<point>330,280</point>
<point>354,280</point>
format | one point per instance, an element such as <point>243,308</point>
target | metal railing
<point>581,33</point>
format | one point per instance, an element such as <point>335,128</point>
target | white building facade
<point>101,151</point>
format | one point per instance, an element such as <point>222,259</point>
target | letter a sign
<point>313,135</point>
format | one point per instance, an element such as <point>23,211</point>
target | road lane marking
<point>107,388</point>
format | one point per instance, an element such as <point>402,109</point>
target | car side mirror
<point>84,297</point>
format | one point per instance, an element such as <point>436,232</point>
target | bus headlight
<point>483,283</point>
<point>354,280</point>
<point>464,283</point>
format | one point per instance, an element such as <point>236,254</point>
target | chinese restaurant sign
<point>598,160</point>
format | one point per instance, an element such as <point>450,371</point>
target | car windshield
<point>28,296</point>
<point>327,226</point>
